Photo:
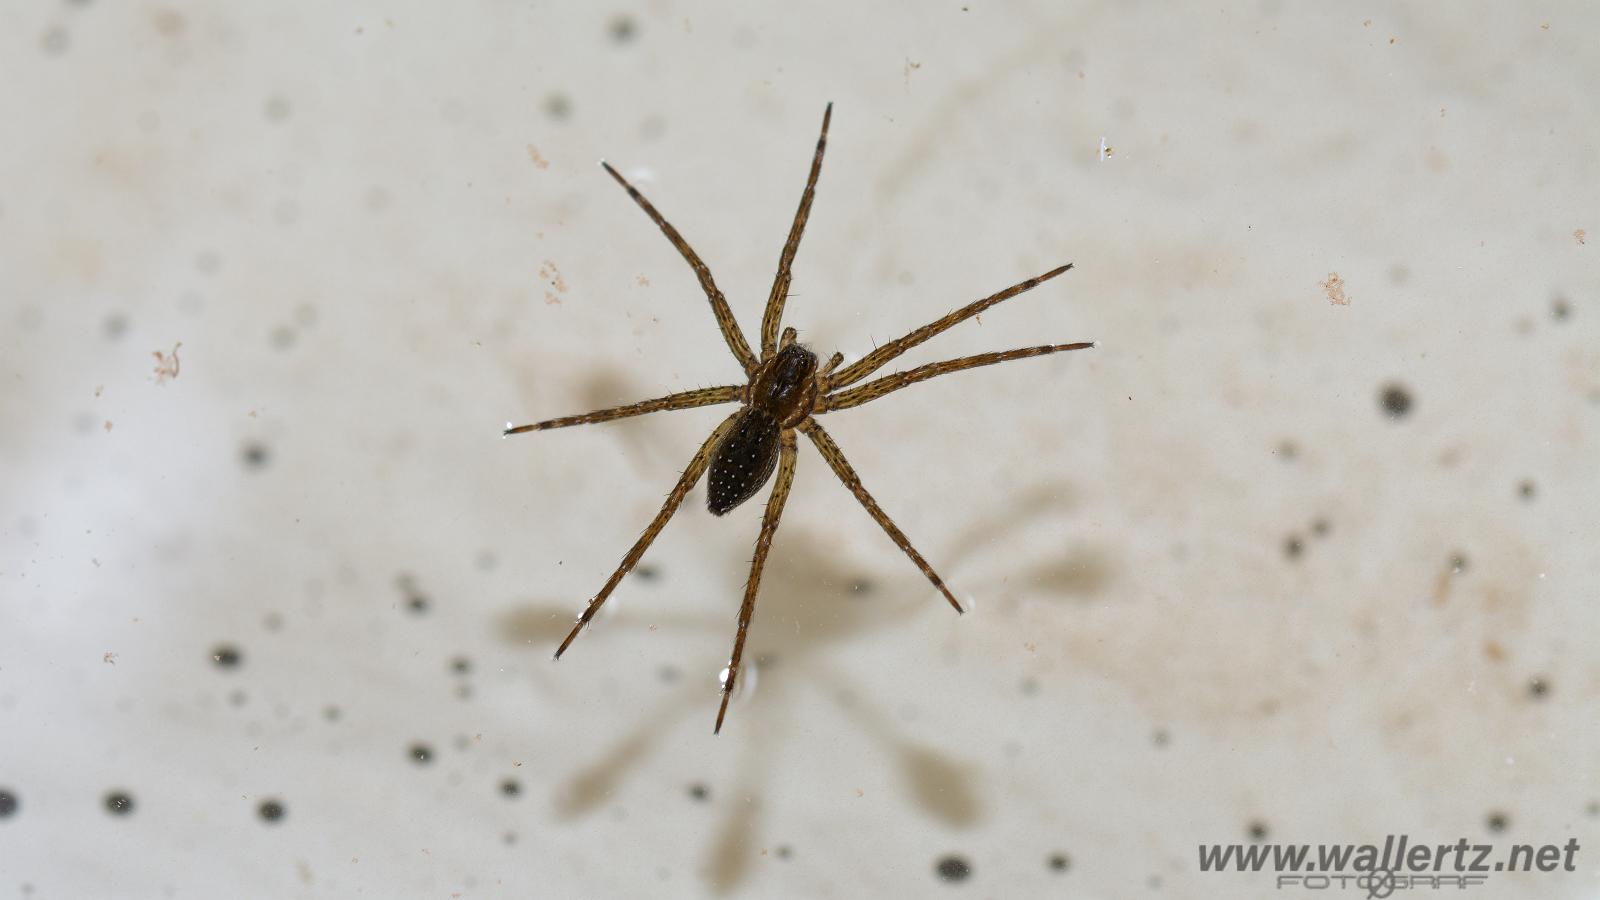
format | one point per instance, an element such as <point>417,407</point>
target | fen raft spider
<point>785,392</point>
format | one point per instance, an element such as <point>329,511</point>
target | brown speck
<point>1545,26</point>
<point>1494,651</point>
<point>166,364</point>
<point>168,23</point>
<point>549,272</point>
<point>533,154</point>
<point>643,281</point>
<point>909,68</point>
<point>108,425</point>
<point>1367,23</point>
<point>1392,40</point>
<point>1538,687</point>
<point>99,389</point>
<point>109,658</point>
<point>1580,235</point>
<point>1334,287</point>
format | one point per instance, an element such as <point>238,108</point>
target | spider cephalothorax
<point>784,391</point>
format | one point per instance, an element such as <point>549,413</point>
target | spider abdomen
<point>743,461</point>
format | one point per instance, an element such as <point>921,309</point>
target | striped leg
<point>773,316</point>
<point>719,303</point>
<point>769,525</point>
<point>872,390</point>
<point>697,467</point>
<point>685,400</point>
<point>841,467</point>
<point>870,363</point>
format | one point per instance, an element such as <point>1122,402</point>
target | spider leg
<point>870,363</point>
<point>872,390</point>
<point>780,285</point>
<point>684,400</point>
<point>769,525</point>
<point>719,303</point>
<point>697,467</point>
<point>841,467</point>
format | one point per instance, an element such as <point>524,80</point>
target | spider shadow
<point>812,595</point>
<point>1081,572</point>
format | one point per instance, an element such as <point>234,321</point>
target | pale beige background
<point>379,232</point>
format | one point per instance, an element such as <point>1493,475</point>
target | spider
<point>786,390</point>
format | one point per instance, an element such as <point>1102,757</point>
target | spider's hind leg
<point>841,467</point>
<point>769,525</point>
<point>697,467</point>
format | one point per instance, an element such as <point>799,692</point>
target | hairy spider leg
<point>841,467</point>
<point>684,400</point>
<point>870,363</point>
<point>876,388</point>
<point>769,526</point>
<point>773,316</point>
<point>697,467</point>
<point>719,303</point>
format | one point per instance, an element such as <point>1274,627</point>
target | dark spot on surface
<point>1395,400</point>
<point>254,455</point>
<point>1293,547</point>
<point>1497,822</point>
<point>55,40</point>
<point>1560,309</point>
<point>783,851</point>
<point>511,787</point>
<point>1161,737</point>
<point>861,587</point>
<point>461,665</point>
<point>623,29</point>
<point>226,656</point>
<point>276,108</point>
<point>271,810</point>
<point>668,674</point>
<point>8,804</point>
<point>1029,686</point>
<point>557,106</point>
<point>1458,563</point>
<point>237,697</point>
<point>1320,527</point>
<point>119,803</point>
<point>1257,831</point>
<point>464,691</point>
<point>1593,808</point>
<point>486,560</point>
<point>331,713</point>
<point>1059,862</point>
<point>646,572</point>
<point>698,792</point>
<point>953,869</point>
<point>1399,274</point>
<point>115,325</point>
<point>421,754</point>
<point>283,337</point>
<point>1286,450</point>
<point>1538,687</point>
<point>416,600</point>
<point>1526,489</point>
<point>272,621</point>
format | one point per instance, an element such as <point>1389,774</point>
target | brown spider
<point>785,392</point>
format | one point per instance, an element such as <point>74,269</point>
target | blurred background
<point>1303,552</point>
